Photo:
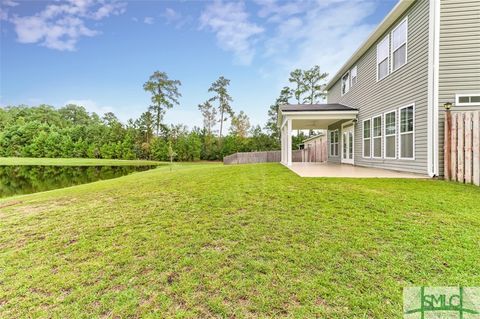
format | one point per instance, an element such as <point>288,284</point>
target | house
<point>384,106</point>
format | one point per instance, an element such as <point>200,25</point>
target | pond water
<point>17,180</point>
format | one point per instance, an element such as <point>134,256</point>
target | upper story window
<point>382,58</point>
<point>467,99</point>
<point>346,83</point>
<point>399,45</point>
<point>353,75</point>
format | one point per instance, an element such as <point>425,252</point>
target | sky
<point>98,53</point>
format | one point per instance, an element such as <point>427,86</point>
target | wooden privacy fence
<point>315,150</point>
<point>259,157</point>
<point>462,147</point>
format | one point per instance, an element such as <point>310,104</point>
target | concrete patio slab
<point>344,170</point>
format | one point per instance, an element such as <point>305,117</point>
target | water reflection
<point>16,180</point>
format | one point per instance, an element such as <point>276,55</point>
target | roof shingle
<point>315,107</point>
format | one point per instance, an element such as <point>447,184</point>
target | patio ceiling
<point>315,116</point>
<point>319,124</point>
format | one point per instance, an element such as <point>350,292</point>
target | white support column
<point>289,142</point>
<point>282,145</point>
<point>285,144</point>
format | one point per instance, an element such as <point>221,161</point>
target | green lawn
<point>73,161</point>
<point>242,241</point>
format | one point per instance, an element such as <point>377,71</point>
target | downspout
<point>433,103</point>
<point>436,90</point>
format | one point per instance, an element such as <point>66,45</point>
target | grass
<point>242,241</point>
<point>74,161</point>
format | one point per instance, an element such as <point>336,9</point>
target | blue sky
<point>98,53</point>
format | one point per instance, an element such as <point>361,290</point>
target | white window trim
<point>348,81</point>
<point>356,76</point>
<point>330,145</point>
<point>348,123</point>
<point>378,137</point>
<point>363,138</point>
<point>385,134</point>
<point>400,133</point>
<point>459,95</point>
<point>386,38</point>
<point>406,47</point>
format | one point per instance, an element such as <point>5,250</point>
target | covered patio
<point>327,169</point>
<point>310,117</point>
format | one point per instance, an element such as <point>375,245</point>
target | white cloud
<point>234,32</point>
<point>9,3</point>
<point>91,106</point>
<point>171,15</point>
<point>175,18</point>
<point>294,34</point>
<point>148,20</point>
<point>318,33</point>
<point>123,112</point>
<point>3,14</point>
<point>184,116</point>
<point>275,11</point>
<point>60,25</point>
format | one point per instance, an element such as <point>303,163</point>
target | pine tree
<point>164,93</point>
<point>219,87</point>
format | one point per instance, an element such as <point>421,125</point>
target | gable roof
<point>396,12</point>
<point>315,107</point>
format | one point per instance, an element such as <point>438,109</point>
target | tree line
<point>71,131</point>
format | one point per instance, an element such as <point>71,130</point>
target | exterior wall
<point>459,61</point>
<point>405,86</point>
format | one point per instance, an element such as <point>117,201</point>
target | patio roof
<point>309,117</point>
<point>315,116</point>
<point>315,107</point>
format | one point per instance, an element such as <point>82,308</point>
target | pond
<point>17,180</point>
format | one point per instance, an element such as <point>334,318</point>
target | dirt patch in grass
<point>8,204</point>
<point>37,208</point>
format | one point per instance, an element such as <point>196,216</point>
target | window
<point>366,138</point>
<point>399,45</point>
<point>390,133</point>
<point>353,75</point>
<point>334,143</point>
<point>382,58</point>
<point>407,138</point>
<point>377,137</point>
<point>346,83</point>
<point>467,99</point>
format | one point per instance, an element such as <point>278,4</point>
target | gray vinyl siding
<point>459,65</point>
<point>405,86</point>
